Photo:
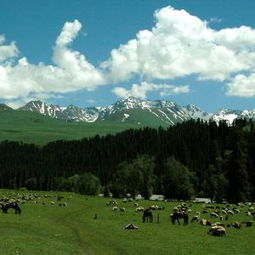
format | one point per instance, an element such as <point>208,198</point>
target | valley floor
<point>87,226</point>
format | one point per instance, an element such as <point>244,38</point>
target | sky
<point>95,52</point>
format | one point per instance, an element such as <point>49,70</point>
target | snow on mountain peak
<point>166,111</point>
<point>225,114</point>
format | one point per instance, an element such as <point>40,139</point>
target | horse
<point>147,215</point>
<point>179,215</point>
<point>14,205</point>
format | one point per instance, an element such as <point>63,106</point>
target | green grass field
<point>51,229</point>
<point>35,128</point>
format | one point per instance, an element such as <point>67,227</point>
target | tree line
<point>193,158</point>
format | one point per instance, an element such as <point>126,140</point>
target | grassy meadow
<point>43,228</point>
<point>29,127</point>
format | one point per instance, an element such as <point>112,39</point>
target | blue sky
<point>93,52</point>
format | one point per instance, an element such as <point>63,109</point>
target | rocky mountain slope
<point>135,111</point>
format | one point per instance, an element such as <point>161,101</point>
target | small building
<point>202,200</point>
<point>156,197</point>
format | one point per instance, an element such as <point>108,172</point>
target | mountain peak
<point>193,107</point>
<point>226,114</point>
<point>128,103</point>
<point>4,107</point>
<point>146,112</point>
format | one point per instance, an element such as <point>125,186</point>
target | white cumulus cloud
<point>7,51</point>
<point>141,90</point>
<point>68,33</point>
<point>178,45</point>
<point>242,85</point>
<point>70,72</point>
<point>181,44</point>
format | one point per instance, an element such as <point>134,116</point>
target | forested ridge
<point>194,158</point>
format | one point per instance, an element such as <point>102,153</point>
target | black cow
<point>14,205</point>
<point>147,215</point>
<point>176,216</point>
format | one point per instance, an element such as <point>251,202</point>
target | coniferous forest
<point>191,159</point>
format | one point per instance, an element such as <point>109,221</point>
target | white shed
<point>202,200</point>
<point>156,197</point>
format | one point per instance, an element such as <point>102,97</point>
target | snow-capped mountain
<point>196,113</point>
<point>131,110</point>
<point>70,113</point>
<point>144,111</point>
<point>227,115</point>
<point>250,114</point>
<point>43,108</point>
<point>138,111</point>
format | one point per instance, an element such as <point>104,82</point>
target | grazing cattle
<point>251,208</point>
<point>237,225</point>
<point>218,224</point>
<point>59,197</point>
<point>248,213</point>
<point>177,215</point>
<point>154,207</point>
<point>235,210</point>
<point>115,208</point>
<point>214,214</point>
<point>14,205</point>
<point>249,223</point>
<point>147,215</point>
<point>139,209</point>
<point>195,218</point>
<point>122,209</point>
<point>205,222</point>
<point>230,212</point>
<point>112,202</point>
<point>217,231</point>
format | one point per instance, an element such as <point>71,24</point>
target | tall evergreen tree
<point>176,180</point>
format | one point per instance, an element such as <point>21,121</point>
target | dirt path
<point>68,220</point>
<point>80,230</point>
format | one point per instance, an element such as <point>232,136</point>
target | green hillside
<point>140,117</point>
<point>35,128</point>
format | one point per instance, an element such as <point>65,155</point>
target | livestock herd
<point>14,200</point>
<point>217,217</point>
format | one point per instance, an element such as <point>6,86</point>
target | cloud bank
<point>70,72</point>
<point>141,90</point>
<point>179,44</point>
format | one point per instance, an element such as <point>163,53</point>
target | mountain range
<point>133,111</point>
